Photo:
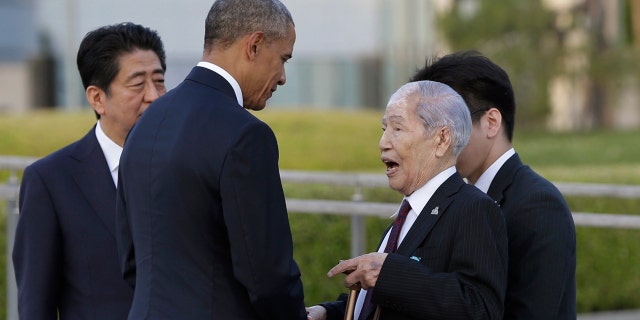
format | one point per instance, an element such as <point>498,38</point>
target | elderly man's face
<point>407,149</point>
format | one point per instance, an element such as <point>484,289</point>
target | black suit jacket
<point>461,271</point>
<point>542,244</point>
<point>203,230</point>
<point>65,255</point>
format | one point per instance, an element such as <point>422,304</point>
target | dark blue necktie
<point>391,247</point>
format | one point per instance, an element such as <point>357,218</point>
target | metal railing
<point>9,192</point>
<point>357,208</point>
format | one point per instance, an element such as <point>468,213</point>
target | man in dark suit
<point>203,230</point>
<point>451,256</point>
<point>542,239</point>
<point>65,254</point>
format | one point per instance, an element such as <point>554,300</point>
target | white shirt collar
<point>484,182</point>
<point>234,84</point>
<point>111,151</point>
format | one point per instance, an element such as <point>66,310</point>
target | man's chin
<point>255,107</point>
<point>394,185</point>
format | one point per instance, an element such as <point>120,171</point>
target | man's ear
<point>443,140</point>
<point>253,43</point>
<point>97,99</point>
<point>494,121</point>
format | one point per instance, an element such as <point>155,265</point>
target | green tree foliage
<point>517,35</point>
<point>534,44</point>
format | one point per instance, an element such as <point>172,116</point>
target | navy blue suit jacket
<point>203,230</point>
<point>65,254</point>
<point>450,265</point>
<point>542,244</point>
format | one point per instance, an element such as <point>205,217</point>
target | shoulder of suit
<point>62,155</point>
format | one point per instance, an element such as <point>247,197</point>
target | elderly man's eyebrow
<point>392,119</point>
<point>396,118</point>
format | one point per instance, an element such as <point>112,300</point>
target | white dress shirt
<point>111,151</point>
<point>484,182</point>
<point>234,84</point>
<point>418,199</point>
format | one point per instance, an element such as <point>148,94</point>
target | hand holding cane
<point>351,301</point>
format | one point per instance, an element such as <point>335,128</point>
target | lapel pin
<point>434,211</point>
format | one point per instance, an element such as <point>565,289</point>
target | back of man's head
<point>229,20</point>
<point>481,83</point>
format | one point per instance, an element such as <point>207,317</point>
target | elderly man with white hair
<point>445,255</point>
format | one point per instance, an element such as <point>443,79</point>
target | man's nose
<point>151,93</point>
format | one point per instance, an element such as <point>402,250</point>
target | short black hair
<point>100,49</point>
<point>229,20</point>
<point>481,83</point>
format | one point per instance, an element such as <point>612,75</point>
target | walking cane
<point>351,302</point>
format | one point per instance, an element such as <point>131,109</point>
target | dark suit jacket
<point>202,219</point>
<point>462,267</point>
<point>542,244</point>
<point>65,255</point>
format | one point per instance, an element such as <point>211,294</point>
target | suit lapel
<point>504,178</point>
<point>94,179</point>
<point>433,210</point>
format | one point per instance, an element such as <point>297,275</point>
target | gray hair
<point>439,106</point>
<point>229,20</point>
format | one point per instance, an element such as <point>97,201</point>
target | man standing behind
<point>542,240</point>
<point>445,256</point>
<point>203,230</point>
<point>65,254</point>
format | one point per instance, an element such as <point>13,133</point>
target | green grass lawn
<point>608,276</point>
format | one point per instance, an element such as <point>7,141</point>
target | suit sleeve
<point>336,309</point>
<point>474,285</point>
<point>256,218</point>
<point>542,257</point>
<point>37,250</point>
<point>124,240</point>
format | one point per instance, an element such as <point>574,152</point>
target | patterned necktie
<point>392,245</point>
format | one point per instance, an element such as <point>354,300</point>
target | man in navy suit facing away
<point>203,230</point>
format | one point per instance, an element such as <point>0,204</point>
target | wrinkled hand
<point>316,313</point>
<point>362,270</point>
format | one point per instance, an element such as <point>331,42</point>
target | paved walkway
<point>611,315</point>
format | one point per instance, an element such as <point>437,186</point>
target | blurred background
<point>573,62</point>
